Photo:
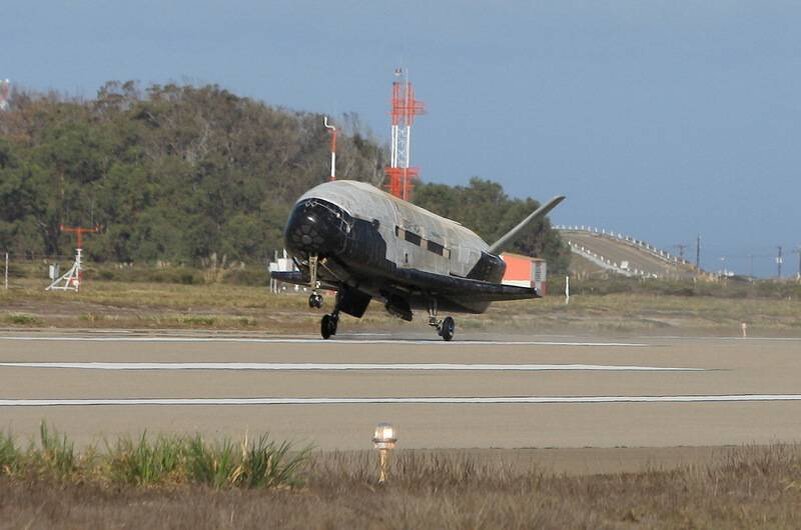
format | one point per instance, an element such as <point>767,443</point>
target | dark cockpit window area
<point>415,239</point>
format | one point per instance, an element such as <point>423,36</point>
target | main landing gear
<point>445,327</point>
<point>328,325</point>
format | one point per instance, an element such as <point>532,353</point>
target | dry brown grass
<point>107,304</point>
<point>751,487</point>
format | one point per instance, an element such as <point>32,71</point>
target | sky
<point>659,119</point>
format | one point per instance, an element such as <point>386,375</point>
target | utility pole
<point>798,251</point>
<point>779,263</point>
<point>698,253</point>
<point>333,148</point>
<point>681,247</point>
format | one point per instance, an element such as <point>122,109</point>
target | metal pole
<point>779,263</point>
<point>383,465</point>
<point>798,251</point>
<point>698,253</point>
<point>6,271</point>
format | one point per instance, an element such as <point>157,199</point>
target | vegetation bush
<point>21,319</point>
<point>182,173</point>
<point>148,461</point>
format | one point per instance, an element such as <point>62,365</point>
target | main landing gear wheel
<point>316,301</point>
<point>446,328</point>
<point>328,325</point>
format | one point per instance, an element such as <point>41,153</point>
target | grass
<point>21,319</point>
<point>745,487</point>
<point>621,307</point>
<point>157,461</point>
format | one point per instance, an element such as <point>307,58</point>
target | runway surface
<point>481,393</point>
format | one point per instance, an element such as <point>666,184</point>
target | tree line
<point>180,173</point>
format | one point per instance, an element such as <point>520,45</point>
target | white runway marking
<point>400,400</point>
<point>344,366</point>
<point>316,341</point>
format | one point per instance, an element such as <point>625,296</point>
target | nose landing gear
<point>445,327</point>
<point>315,299</point>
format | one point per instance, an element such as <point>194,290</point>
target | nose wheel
<point>316,301</point>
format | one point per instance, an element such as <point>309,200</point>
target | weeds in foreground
<point>151,461</point>
<point>9,454</point>
<point>21,319</point>
<point>143,463</point>
<point>55,455</point>
<point>746,487</point>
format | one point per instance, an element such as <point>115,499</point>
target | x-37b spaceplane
<point>363,243</point>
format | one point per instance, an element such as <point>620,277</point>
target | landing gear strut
<point>328,325</point>
<point>445,327</point>
<point>315,299</point>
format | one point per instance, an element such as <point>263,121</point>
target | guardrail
<point>618,236</point>
<point>606,263</point>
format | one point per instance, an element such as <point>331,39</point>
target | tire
<point>447,328</point>
<point>315,301</point>
<point>328,326</point>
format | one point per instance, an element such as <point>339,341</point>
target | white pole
<point>567,289</point>
<point>6,272</point>
<point>333,147</point>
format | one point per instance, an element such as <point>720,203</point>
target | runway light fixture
<point>384,440</point>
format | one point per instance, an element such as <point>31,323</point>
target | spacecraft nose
<point>316,227</point>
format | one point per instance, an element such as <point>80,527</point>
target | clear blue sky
<point>662,119</point>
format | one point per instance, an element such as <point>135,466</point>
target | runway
<point>481,392</point>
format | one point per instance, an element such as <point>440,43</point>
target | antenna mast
<point>404,108</point>
<point>333,148</point>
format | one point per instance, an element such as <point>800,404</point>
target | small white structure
<point>280,264</point>
<point>71,280</point>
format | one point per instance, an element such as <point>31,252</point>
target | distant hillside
<point>174,173</point>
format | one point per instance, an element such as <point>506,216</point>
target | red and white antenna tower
<point>5,92</point>
<point>404,108</point>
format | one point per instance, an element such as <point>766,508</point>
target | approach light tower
<point>71,281</point>
<point>5,93</point>
<point>405,107</point>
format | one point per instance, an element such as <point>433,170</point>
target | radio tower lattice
<point>404,108</point>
